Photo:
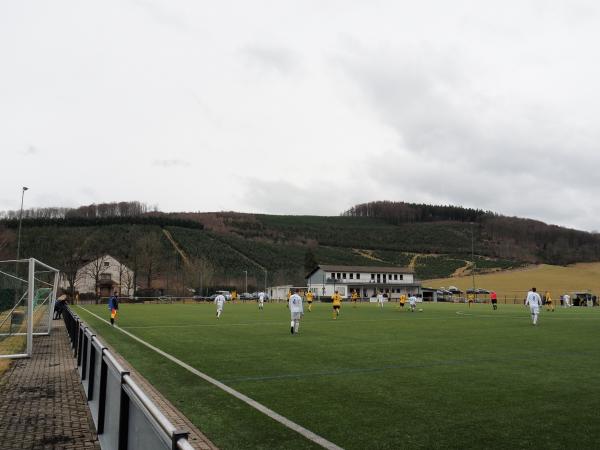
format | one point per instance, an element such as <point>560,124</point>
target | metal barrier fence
<point>124,416</point>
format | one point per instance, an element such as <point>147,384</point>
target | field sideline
<point>447,377</point>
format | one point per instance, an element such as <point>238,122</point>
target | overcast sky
<point>302,107</point>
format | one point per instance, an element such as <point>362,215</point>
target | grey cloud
<point>169,163</point>
<point>461,147</point>
<point>161,15</point>
<point>30,151</point>
<point>283,197</point>
<point>270,58</point>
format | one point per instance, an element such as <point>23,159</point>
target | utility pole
<point>265,281</point>
<point>473,257</point>
<point>19,234</point>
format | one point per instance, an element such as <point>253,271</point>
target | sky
<point>302,107</point>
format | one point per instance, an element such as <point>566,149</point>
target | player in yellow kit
<point>354,298</point>
<point>402,300</point>
<point>309,300</point>
<point>549,303</point>
<point>337,304</point>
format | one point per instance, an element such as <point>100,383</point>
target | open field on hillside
<point>515,283</point>
<point>446,377</point>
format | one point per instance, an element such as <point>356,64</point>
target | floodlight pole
<point>265,281</point>
<point>246,273</point>
<point>19,233</point>
<point>473,257</point>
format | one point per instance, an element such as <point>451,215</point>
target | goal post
<point>28,290</point>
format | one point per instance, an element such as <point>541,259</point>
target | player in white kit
<point>380,299</point>
<point>296,311</point>
<point>534,301</point>
<point>220,302</point>
<point>566,301</point>
<point>412,300</point>
<point>261,300</point>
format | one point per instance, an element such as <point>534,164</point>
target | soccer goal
<point>27,297</point>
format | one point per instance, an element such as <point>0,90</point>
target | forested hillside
<point>220,249</point>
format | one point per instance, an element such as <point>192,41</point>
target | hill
<point>181,251</point>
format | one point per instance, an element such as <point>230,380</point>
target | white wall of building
<point>112,269</point>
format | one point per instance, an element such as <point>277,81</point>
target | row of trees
<point>100,210</point>
<point>401,212</point>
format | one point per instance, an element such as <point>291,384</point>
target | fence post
<point>102,393</point>
<point>123,416</point>
<point>30,294</point>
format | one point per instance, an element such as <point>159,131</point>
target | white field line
<point>253,403</point>
<point>253,324</point>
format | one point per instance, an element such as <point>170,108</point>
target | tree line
<point>100,210</point>
<point>401,212</point>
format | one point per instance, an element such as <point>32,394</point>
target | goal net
<point>27,297</point>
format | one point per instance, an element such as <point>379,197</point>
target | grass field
<point>516,283</point>
<point>447,377</point>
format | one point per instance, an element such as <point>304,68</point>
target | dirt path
<point>367,254</point>
<point>176,247</point>
<point>413,261</point>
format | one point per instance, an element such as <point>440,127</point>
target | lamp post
<point>246,273</point>
<point>473,257</point>
<point>19,233</point>
<point>265,281</point>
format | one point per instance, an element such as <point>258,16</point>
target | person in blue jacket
<point>113,306</point>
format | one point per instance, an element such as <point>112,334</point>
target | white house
<point>111,274</point>
<point>324,280</point>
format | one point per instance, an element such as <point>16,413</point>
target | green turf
<point>376,378</point>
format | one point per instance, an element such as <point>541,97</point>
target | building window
<point>378,278</point>
<point>339,275</point>
<point>372,276</point>
<point>106,264</point>
<point>395,276</point>
<point>332,275</point>
<point>358,276</point>
<point>105,276</point>
<point>344,275</point>
<point>401,277</point>
<point>383,277</point>
<point>352,276</point>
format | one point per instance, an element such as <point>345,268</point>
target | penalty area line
<point>253,403</point>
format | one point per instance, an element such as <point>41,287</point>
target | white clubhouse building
<point>324,280</point>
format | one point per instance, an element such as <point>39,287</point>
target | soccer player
<point>336,298</point>
<point>566,301</point>
<point>412,300</point>
<point>296,311</point>
<point>549,303</point>
<point>494,299</point>
<point>354,298</point>
<point>470,299</point>
<point>220,302</point>
<point>402,300</point>
<point>113,306</point>
<point>261,300</point>
<point>534,301</point>
<point>309,299</point>
<point>380,299</point>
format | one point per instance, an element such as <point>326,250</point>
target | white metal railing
<point>125,417</point>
